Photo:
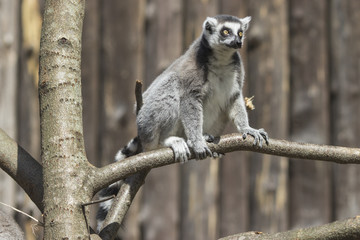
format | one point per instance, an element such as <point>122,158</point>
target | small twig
<point>138,95</point>
<point>29,216</point>
<point>98,201</point>
<point>90,203</point>
<point>86,221</point>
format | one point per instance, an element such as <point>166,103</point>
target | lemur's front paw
<point>200,149</point>
<point>259,135</point>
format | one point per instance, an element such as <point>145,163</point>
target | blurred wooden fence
<point>303,66</point>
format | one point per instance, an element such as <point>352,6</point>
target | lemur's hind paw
<point>209,138</point>
<point>179,147</point>
<point>218,155</point>
<point>200,149</point>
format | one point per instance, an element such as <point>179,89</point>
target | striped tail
<point>132,148</point>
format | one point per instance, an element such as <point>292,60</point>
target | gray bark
<point>65,166</point>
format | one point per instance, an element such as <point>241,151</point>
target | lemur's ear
<point>209,24</point>
<point>245,21</point>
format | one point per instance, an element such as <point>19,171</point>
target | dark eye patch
<point>225,32</point>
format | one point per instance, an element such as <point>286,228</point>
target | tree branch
<point>227,143</point>
<point>121,204</point>
<point>348,229</point>
<point>23,168</point>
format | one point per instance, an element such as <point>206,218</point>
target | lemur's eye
<point>240,34</point>
<point>226,32</point>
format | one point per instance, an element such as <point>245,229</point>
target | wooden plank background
<point>302,64</point>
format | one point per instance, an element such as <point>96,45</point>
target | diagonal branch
<point>121,204</point>
<point>227,143</point>
<point>23,168</point>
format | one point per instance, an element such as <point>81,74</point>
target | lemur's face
<point>225,30</point>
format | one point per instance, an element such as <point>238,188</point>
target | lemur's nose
<point>238,44</point>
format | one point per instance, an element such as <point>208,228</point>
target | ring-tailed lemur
<point>199,93</point>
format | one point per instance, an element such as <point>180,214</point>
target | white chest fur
<point>220,87</point>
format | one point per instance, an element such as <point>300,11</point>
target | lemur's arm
<point>191,113</point>
<point>239,116</point>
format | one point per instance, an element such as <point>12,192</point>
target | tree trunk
<point>62,145</point>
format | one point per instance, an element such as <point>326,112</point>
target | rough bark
<point>65,166</point>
